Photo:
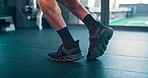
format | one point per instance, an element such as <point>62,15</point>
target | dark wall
<point>11,2</point>
<point>20,16</point>
<point>138,9</point>
<point>14,8</point>
<point>8,9</point>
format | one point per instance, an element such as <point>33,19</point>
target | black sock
<point>66,37</point>
<point>91,23</point>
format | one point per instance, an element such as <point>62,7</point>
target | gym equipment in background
<point>6,23</point>
<point>31,11</point>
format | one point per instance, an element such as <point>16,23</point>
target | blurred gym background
<point>117,13</point>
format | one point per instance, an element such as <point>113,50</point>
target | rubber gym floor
<point>23,54</point>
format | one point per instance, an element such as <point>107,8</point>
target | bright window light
<point>91,3</point>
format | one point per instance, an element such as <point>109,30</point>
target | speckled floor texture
<point>23,54</point>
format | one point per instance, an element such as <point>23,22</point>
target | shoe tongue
<point>72,45</point>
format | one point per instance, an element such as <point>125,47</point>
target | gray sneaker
<point>99,41</point>
<point>64,54</point>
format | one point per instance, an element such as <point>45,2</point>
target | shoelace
<point>93,44</point>
<point>59,53</point>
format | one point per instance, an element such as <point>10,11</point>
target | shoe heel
<point>110,33</point>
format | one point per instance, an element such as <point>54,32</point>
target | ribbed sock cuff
<point>66,37</point>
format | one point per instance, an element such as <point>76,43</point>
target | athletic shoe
<point>99,41</point>
<point>64,54</point>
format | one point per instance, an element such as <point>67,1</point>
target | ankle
<point>71,45</point>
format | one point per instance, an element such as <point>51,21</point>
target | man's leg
<point>75,7</point>
<point>79,10</point>
<point>52,13</point>
<point>99,34</point>
<point>70,50</point>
